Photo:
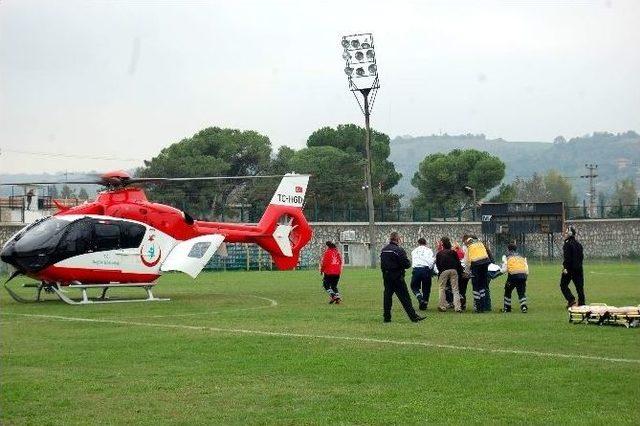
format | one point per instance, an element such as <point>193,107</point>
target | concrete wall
<point>600,238</point>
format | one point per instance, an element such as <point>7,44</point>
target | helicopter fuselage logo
<point>150,252</point>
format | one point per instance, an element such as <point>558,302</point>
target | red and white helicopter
<point>123,240</point>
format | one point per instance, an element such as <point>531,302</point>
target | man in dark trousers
<point>393,262</point>
<point>478,258</point>
<point>572,268</point>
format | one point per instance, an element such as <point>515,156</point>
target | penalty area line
<point>360,339</point>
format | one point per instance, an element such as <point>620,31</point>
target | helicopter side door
<point>192,255</point>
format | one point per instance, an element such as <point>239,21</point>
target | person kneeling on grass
<point>517,272</point>
<point>331,267</point>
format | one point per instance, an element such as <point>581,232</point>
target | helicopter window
<point>42,233</point>
<point>198,250</point>
<point>77,240</point>
<point>131,234</point>
<point>107,236</point>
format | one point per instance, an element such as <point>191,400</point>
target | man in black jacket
<point>572,268</point>
<point>393,262</point>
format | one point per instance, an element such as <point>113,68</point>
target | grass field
<point>265,347</point>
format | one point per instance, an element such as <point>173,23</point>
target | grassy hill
<point>617,156</point>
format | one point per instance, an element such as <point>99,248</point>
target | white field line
<point>336,338</point>
<point>272,304</point>
<point>615,274</point>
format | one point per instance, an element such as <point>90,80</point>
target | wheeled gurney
<point>601,314</point>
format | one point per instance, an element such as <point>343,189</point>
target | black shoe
<point>524,309</point>
<point>387,320</point>
<point>423,306</point>
<point>418,318</point>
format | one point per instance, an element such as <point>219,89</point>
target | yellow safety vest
<point>517,264</point>
<point>477,251</point>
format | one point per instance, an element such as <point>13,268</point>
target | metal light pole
<point>360,58</point>
<point>475,202</point>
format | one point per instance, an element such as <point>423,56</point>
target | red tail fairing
<point>300,234</point>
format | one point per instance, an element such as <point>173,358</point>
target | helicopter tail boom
<point>284,224</point>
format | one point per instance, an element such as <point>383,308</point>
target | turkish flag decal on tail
<point>298,189</point>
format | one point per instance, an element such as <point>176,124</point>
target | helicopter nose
<point>8,254</point>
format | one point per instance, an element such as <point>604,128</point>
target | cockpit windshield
<point>44,234</point>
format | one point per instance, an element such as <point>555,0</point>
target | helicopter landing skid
<point>86,300</point>
<point>18,298</point>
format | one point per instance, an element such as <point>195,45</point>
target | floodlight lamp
<point>365,45</point>
<point>346,55</point>
<point>373,69</point>
<point>370,54</point>
<point>360,72</point>
<point>355,43</point>
<point>345,43</point>
<point>348,71</point>
<point>359,56</point>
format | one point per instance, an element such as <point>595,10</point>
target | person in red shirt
<point>331,268</point>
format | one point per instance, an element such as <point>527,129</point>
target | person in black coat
<point>572,268</point>
<point>393,262</point>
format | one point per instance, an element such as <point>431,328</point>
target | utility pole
<point>592,187</point>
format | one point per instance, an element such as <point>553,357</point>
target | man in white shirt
<point>422,261</point>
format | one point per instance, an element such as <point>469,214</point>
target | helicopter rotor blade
<point>125,181</point>
<point>70,182</point>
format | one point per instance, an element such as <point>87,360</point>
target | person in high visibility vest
<point>517,271</point>
<point>478,259</point>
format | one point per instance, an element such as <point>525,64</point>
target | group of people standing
<point>454,265</point>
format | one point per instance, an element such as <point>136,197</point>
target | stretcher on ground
<point>603,314</point>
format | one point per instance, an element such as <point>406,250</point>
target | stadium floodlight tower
<point>362,72</point>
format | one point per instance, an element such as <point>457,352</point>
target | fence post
<point>601,211</point>
<point>444,214</point>
<point>333,212</point>
<point>315,210</point>
<point>398,212</point>
<point>620,204</point>
<point>429,215</point>
<point>459,215</point>
<point>413,214</point>
<point>382,212</point>
<point>349,211</point>
<point>584,208</point>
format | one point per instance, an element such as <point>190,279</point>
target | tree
<point>559,140</point>
<point>558,188</point>
<point>507,193</point>
<point>625,193</point>
<point>53,191</point>
<point>210,152</point>
<point>350,139</point>
<point>67,192</point>
<point>441,178</point>
<point>83,195</point>
<point>550,187</point>
<point>337,176</point>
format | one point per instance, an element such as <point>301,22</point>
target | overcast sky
<point>125,79</point>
